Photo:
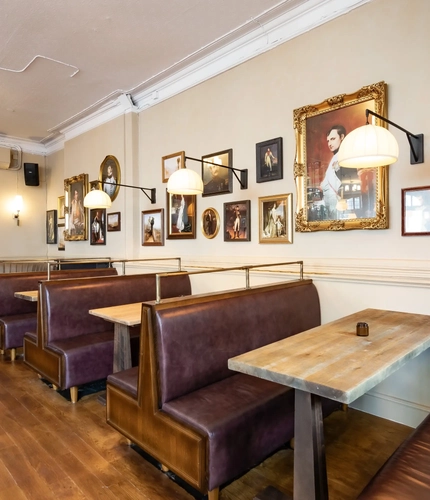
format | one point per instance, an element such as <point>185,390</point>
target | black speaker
<point>31,174</point>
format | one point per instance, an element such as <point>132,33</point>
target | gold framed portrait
<point>276,218</point>
<point>330,197</point>
<point>110,176</point>
<point>210,223</point>
<point>75,189</point>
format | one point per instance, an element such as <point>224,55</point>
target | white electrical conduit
<point>42,57</point>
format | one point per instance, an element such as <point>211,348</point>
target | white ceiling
<point>62,61</point>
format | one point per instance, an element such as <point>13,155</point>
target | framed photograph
<point>61,237</point>
<point>330,197</point>
<point>51,227</point>
<point>153,227</point>
<point>269,160</point>
<point>275,218</point>
<point>416,211</point>
<point>181,216</point>
<point>114,221</point>
<point>217,180</point>
<point>171,163</point>
<point>110,176</point>
<point>60,207</point>
<point>75,189</point>
<point>210,223</point>
<point>237,221</point>
<point>98,226</point>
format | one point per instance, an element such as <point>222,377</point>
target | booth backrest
<point>20,282</point>
<point>65,304</point>
<point>194,338</point>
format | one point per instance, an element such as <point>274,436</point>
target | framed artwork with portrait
<point>60,237</point>
<point>210,223</point>
<point>51,227</point>
<point>269,158</point>
<point>276,218</point>
<point>171,163</point>
<point>153,227</point>
<point>331,197</point>
<point>181,216</point>
<point>114,221</point>
<point>98,226</point>
<point>60,207</point>
<point>75,189</point>
<point>110,176</point>
<point>416,211</point>
<point>217,180</point>
<point>237,221</point>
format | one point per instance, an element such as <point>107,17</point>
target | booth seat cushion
<point>125,380</point>
<point>13,327</point>
<point>86,358</point>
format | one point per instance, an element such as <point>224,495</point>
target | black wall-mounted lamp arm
<point>416,141</point>
<point>243,180</point>
<point>151,198</point>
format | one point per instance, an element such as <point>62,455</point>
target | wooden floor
<point>51,449</point>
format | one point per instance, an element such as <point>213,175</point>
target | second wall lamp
<point>97,198</point>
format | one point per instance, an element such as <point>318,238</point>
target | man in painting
<point>236,224</point>
<point>269,160</point>
<point>216,184</point>
<point>109,183</point>
<point>76,218</point>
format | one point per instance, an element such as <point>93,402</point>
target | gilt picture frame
<point>110,176</point>
<point>330,197</point>
<point>75,189</point>
<point>210,223</point>
<point>181,216</point>
<point>60,207</point>
<point>276,218</point>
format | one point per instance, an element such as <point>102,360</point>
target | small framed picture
<point>416,211</point>
<point>61,236</point>
<point>210,223</point>
<point>216,179</point>
<point>275,218</point>
<point>60,207</point>
<point>181,216</point>
<point>153,227</point>
<point>114,221</point>
<point>75,189</point>
<point>269,160</point>
<point>98,226</point>
<point>171,163</point>
<point>237,221</point>
<point>51,227</point>
<point>110,176</point>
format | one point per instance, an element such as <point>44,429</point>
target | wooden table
<point>331,361</point>
<point>124,317</point>
<point>31,295</point>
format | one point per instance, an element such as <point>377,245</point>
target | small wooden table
<point>31,295</point>
<point>331,361</point>
<point>124,317</point>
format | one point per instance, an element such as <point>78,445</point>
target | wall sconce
<point>97,198</point>
<point>184,181</point>
<point>17,207</point>
<point>374,146</point>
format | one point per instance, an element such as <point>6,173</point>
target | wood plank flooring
<point>51,449</point>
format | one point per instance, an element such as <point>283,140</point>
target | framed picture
<point>217,180</point>
<point>269,160</point>
<point>210,223</point>
<point>181,216</point>
<point>153,227</point>
<point>110,176</point>
<point>330,197</point>
<point>51,227</point>
<point>98,226</point>
<point>75,189</point>
<point>416,211</point>
<point>60,237</point>
<point>275,218</point>
<point>237,221</point>
<point>114,221</point>
<point>171,163</point>
<point>60,207</point>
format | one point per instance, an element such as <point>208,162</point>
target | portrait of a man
<point>216,178</point>
<point>110,176</point>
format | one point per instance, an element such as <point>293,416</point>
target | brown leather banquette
<point>406,474</point>
<point>18,316</point>
<point>184,407</point>
<point>71,346</point>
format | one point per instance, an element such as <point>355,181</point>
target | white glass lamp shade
<point>368,146</point>
<point>97,198</point>
<point>17,203</point>
<point>185,181</point>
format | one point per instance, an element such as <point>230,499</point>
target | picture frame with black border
<point>269,160</point>
<point>237,221</point>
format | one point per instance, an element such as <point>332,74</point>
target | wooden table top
<point>31,295</point>
<point>333,362</point>
<point>127,314</point>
